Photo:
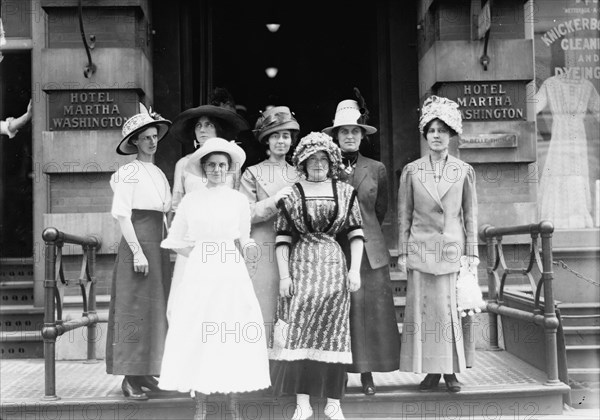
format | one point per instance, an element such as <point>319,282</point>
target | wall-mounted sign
<point>86,109</point>
<point>481,101</point>
<point>488,141</point>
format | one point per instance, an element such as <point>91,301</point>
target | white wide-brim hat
<point>138,123</point>
<point>216,144</point>
<point>348,113</point>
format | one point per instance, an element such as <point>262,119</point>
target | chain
<point>563,265</point>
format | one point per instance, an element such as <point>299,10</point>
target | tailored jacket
<point>437,220</point>
<point>370,183</point>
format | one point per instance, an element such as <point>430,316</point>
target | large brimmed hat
<point>348,113</point>
<point>138,123</point>
<point>184,123</point>
<point>275,119</point>
<point>443,109</point>
<point>216,144</point>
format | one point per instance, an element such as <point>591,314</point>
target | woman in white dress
<point>216,339</point>
<point>199,123</point>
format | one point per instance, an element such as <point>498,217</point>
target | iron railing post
<point>49,331</point>
<point>550,319</point>
<point>492,286</point>
<point>92,328</point>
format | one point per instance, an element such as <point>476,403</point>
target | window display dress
<point>216,338</point>
<point>317,344</point>
<point>565,197</point>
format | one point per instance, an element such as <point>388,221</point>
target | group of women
<point>282,274</point>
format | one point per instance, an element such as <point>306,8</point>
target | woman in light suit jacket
<point>264,185</point>
<point>373,327</point>
<point>437,214</point>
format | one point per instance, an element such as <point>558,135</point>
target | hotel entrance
<point>307,56</point>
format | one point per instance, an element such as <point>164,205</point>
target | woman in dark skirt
<point>311,354</point>
<point>373,326</point>
<point>137,324</point>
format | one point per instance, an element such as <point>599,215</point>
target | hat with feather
<point>138,123</point>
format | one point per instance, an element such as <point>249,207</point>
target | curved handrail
<point>495,260</point>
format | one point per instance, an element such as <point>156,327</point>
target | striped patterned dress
<point>317,344</point>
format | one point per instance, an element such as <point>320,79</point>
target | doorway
<point>320,52</point>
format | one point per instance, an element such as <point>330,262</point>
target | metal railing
<point>495,306</point>
<point>54,325</point>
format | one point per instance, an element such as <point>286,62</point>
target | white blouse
<point>210,215</point>
<point>139,185</point>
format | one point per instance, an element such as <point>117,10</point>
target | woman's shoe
<point>132,390</point>
<point>431,381</point>
<point>452,383</point>
<point>149,382</point>
<point>368,386</point>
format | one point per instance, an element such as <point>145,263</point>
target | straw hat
<point>216,144</point>
<point>275,119</point>
<point>184,123</point>
<point>348,113</point>
<point>443,109</point>
<point>138,123</point>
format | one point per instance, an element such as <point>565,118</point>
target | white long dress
<point>216,338</point>
<point>564,194</point>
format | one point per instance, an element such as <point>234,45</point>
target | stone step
<point>588,375</point>
<point>15,318</point>
<point>21,345</point>
<point>582,335</point>
<point>583,356</point>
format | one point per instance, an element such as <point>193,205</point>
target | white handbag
<point>469,298</point>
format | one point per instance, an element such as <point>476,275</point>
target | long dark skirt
<point>137,322</point>
<point>317,379</point>
<point>373,327</point>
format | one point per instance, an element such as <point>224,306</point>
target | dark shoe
<point>431,381</point>
<point>149,382</point>
<point>368,387</point>
<point>132,390</point>
<point>452,383</point>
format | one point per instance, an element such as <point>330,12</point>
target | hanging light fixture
<point>273,27</point>
<point>271,72</point>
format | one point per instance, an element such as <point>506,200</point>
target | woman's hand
<point>402,263</point>
<point>140,263</point>
<point>283,193</point>
<point>353,281</point>
<point>286,287</point>
<point>184,251</point>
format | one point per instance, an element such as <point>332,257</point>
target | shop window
<point>567,65</point>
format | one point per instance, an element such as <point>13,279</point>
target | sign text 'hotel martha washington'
<point>90,109</point>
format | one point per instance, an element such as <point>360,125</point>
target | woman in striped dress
<point>311,353</point>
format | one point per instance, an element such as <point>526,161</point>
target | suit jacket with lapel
<point>370,183</point>
<point>438,223</point>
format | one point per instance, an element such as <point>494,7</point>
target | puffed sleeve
<point>541,98</point>
<point>469,210</point>
<point>178,187</point>
<point>123,185</point>
<point>354,220</point>
<point>179,228</point>
<point>381,202</point>
<point>594,102</point>
<point>262,210</point>
<point>244,219</point>
<point>405,207</point>
<point>283,224</point>
<point>5,128</point>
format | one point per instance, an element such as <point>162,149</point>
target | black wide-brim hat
<point>184,124</point>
